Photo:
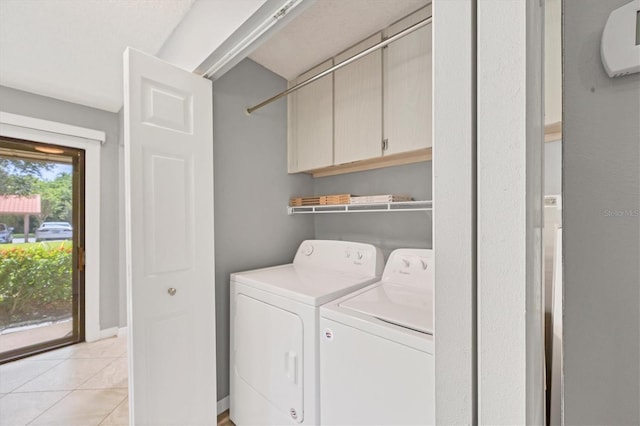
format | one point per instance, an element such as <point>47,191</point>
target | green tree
<point>24,177</point>
<point>18,176</point>
<point>56,198</point>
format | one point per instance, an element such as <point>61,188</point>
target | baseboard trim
<point>123,331</point>
<point>104,334</point>
<point>223,405</point>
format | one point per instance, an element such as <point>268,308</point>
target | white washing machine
<point>274,329</point>
<point>376,348</point>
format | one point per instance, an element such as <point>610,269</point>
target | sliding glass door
<point>41,247</point>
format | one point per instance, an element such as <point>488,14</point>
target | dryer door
<point>268,346</point>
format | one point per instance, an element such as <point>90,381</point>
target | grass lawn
<point>31,235</point>
<point>47,244</point>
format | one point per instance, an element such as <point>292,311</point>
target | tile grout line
<point>68,392</point>
<point>114,408</point>
<point>35,377</point>
<point>96,373</point>
<point>58,364</point>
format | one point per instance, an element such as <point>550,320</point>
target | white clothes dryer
<point>274,329</point>
<point>376,348</point>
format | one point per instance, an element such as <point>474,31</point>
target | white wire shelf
<point>398,206</point>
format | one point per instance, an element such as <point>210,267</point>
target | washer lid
<point>310,285</point>
<point>397,304</point>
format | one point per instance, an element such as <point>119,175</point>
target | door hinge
<point>385,144</point>
<point>81,259</point>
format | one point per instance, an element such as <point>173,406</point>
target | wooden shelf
<point>417,156</point>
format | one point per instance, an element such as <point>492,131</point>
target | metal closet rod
<point>373,48</point>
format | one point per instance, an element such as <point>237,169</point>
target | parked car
<point>6,234</point>
<point>54,231</point>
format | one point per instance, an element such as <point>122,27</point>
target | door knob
<point>172,291</point>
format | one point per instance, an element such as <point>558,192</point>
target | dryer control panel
<point>342,256</point>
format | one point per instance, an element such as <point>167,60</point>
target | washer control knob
<point>424,264</point>
<point>360,255</point>
<point>406,262</point>
<point>347,254</point>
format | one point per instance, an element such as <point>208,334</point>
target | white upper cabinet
<point>311,122</point>
<point>375,112</point>
<point>358,105</point>
<point>407,87</point>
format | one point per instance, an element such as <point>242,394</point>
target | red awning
<point>20,204</point>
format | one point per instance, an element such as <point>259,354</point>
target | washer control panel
<point>410,267</point>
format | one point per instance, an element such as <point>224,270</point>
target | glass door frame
<point>78,244</point>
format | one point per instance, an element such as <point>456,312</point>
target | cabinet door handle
<point>385,144</point>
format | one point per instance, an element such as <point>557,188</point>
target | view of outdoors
<point>36,277</point>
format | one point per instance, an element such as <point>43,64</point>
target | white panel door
<point>169,218</point>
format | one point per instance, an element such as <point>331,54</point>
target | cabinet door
<point>311,122</point>
<point>358,105</point>
<point>407,87</point>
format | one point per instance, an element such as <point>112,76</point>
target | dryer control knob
<point>307,250</point>
<point>406,262</point>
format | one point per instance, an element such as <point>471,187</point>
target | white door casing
<point>510,134</point>
<point>89,140</point>
<point>454,219</point>
<point>169,226</point>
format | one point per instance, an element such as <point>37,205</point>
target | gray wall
<point>29,104</point>
<point>601,200</point>
<point>385,230</point>
<point>251,188</point>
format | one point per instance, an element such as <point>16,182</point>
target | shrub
<point>35,282</point>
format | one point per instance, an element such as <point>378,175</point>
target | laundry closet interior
<point>374,116</point>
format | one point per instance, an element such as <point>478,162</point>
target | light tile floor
<point>83,384</point>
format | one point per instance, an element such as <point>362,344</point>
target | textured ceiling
<point>72,49</point>
<point>326,28</point>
